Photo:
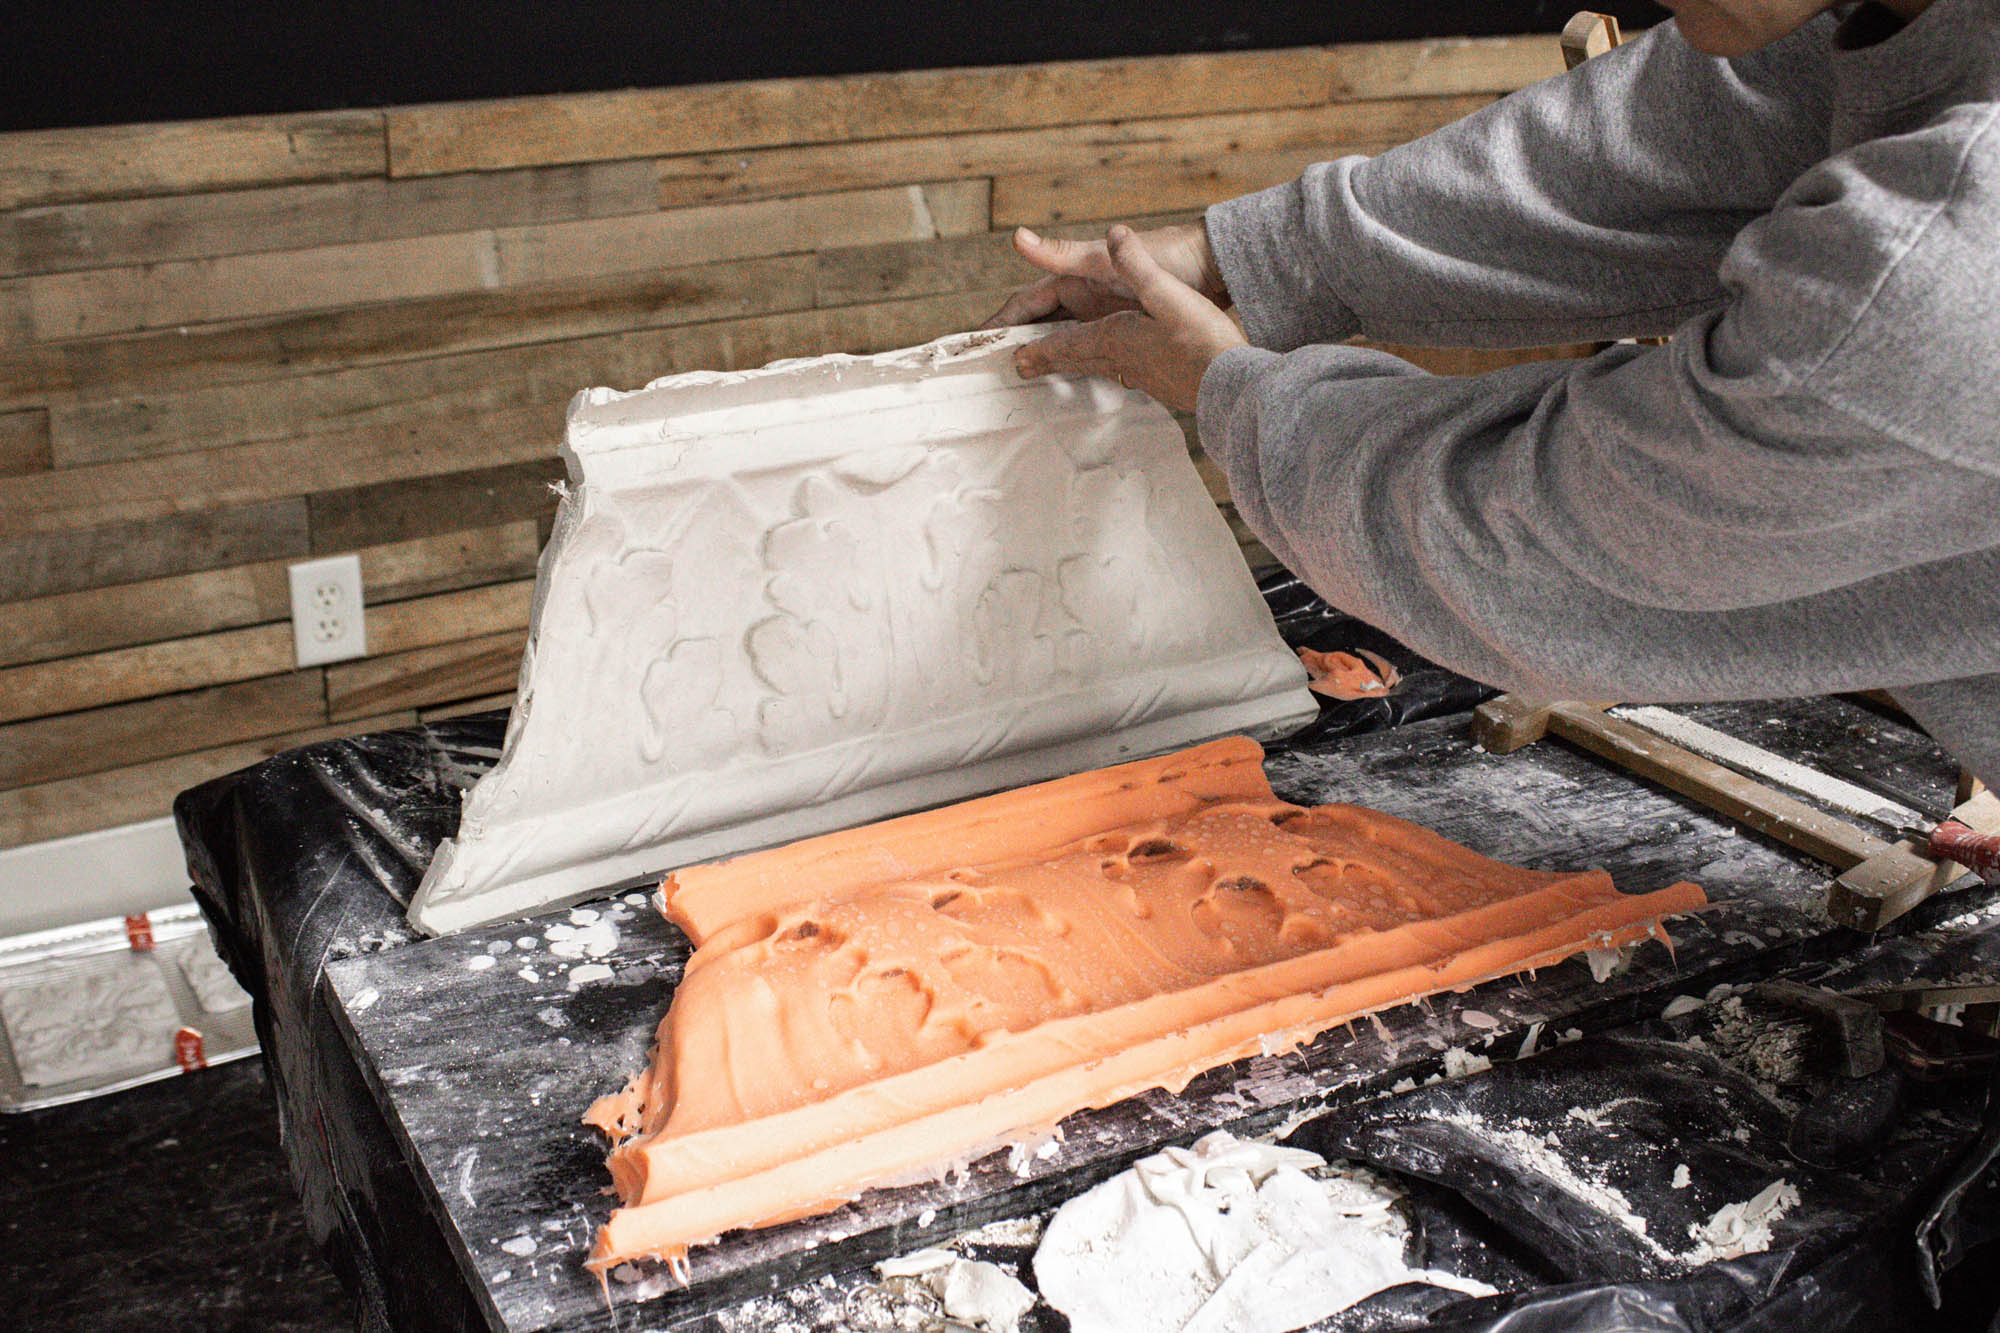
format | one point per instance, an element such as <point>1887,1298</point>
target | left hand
<point>1163,348</point>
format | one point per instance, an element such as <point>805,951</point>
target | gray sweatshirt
<point>1799,494</point>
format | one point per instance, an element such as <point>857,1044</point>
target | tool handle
<point>1977,852</point>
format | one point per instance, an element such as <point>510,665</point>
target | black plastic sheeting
<point>1506,1148</point>
<point>313,855</point>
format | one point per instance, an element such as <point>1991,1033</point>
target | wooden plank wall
<point>227,345</point>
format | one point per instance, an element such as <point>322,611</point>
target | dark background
<point>98,62</point>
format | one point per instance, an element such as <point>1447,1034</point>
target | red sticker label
<point>188,1051</point>
<point>139,932</point>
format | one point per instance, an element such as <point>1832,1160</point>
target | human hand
<point>1163,347</point>
<point>1084,284</point>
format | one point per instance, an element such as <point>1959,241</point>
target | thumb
<point>1163,296</point>
<point>1074,259</point>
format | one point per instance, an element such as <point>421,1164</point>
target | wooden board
<point>413,510</point>
<point>59,238</point>
<point>95,619</point>
<point>111,161</point>
<point>246,474</point>
<point>72,744</point>
<point>41,563</point>
<point>146,791</point>
<point>467,669</point>
<point>97,679</point>
<point>483,136</point>
<point>484,1073</point>
<point>158,295</point>
<point>803,169</point>
<point>24,442</point>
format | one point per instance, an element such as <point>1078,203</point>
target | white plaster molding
<point>789,600</point>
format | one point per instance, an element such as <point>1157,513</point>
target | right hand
<point>1083,283</point>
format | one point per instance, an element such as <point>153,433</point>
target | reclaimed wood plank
<point>549,341</point>
<point>146,791</point>
<point>424,506</point>
<point>94,620</point>
<point>66,559</point>
<point>110,161</point>
<point>926,268</point>
<point>485,704</point>
<point>703,118</point>
<point>94,680</point>
<point>25,442</point>
<point>1108,194</point>
<point>466,670</point>
<point>1441,66</point>
<point>260,351</point>
<point>105,301</point>
<point>247,474</point>
<point>62,237</point>
<point>790,170</point>
<point>96,302</point>
<point>47,749</point>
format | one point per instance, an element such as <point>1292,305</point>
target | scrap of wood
<point>1588,34</point>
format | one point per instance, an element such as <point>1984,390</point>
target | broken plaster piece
<point>782,601</point>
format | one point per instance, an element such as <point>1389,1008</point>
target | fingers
<point>1087,349</point>
<point>1075,259</point>
<point>1038,300</point>
<point>1159,293</point>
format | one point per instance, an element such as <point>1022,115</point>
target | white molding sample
<point>784,601</point>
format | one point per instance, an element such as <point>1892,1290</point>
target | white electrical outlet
<point>328,622</point>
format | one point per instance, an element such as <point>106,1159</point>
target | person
<point>1799,493</point>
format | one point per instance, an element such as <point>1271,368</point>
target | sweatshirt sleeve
<point>1625,181</point>
<point>1642,524</point>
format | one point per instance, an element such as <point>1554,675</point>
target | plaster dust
<point>1226,1236</point>
<point>794,599</point>
<point>865,1006</point>
<point>89,1018</point>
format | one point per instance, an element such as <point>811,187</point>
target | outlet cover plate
<point>329,623</point>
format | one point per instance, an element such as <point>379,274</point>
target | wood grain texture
<point>113,161</point>
<point>486,704</point>
<point>71,744</point>
<point>24,442</point>
<point>146,791</point>
<point>484,136</point>
<point>81,497</point>
<point>1442,67</point>
<point>63,237</point>
<point>94,620</point>
<point>547,341</point>
<point>40,563</point>
<point>97,679</point>
<point>932,268</point>
<point>1076,148</point>
<point>425,506</point>
<point>466,670</point>
<point>112,300</point>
